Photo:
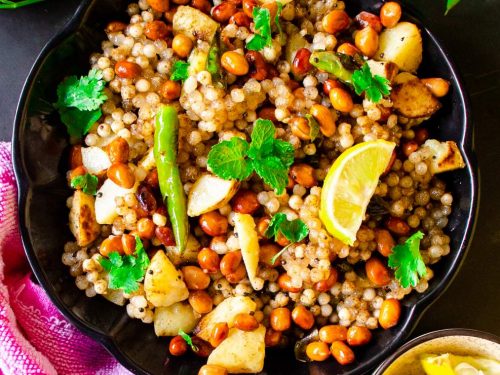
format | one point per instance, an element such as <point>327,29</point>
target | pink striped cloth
<point>34,337</point>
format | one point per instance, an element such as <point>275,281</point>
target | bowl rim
<point>415,312</point>
<point>448,332</point>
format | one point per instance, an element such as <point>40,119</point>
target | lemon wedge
<point>349,186</point>
<point>437,365</point>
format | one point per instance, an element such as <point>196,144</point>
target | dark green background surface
<point>471,34</point>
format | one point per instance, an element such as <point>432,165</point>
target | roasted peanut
<point>366,40</point>
<point>285,283</point>
<point>115,27</point>
<point>357,335</point>
<point>248,6</point>
<point>219,334</point>
<point>317,351</point>
<point>390,13</point>
<point>377,272</point>
<point>280,319</point>
<point>110,245</point>
<point>200,301</point>
<point>342,353</point>
<point>365,19</point>
<point>341,100</point>
<point>223,12</point>
<point>203,5</point>
<point>165,235</point>
<point>331,333</point>
<point>118,150</point>
<point>347,49</point>
<point>303,317</point>
<point>385,242</point>
<point>208,260</point>
<point>398,226</point>
<point>267,253</point>
<point>241,19</point>
<point>335,21</point>
<point>195,278</point>
<point>257,65</point>
<point>182,45</point>
<point>301,64</point>
<point>156,30</point>
<point>300,127</point>
<point>177,346</point>
<point>127,69</point>
<point>234,63</point>
<point>213,223</point>
<point>325,119</point>
<point>170,90</point>
<point>303,174</point>
<point>390,311</point>
<point>438,86</point>
<point>245,322</point>
<point>75,157</point>
<point>121,175</point>
<point>245,202</point>
<point>325,285</point>
<point>212,370</point>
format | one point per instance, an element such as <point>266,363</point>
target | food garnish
<point>262,36</point>
<point>269,157</point>
<point>407,261</point>
<point>450,4</point>
<point>188,340</point>
<point>349,186</point>
<point>7,4</point>
<point>293,230</point>
<point>180,71</point>
<point>375,87</point>
<point>172,190</point>
<point>125,272</point>
<point>78,102</point>
<point>87,183</point>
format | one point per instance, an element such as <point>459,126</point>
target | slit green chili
<point>172,190</point>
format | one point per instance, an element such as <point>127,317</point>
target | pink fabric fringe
<point>34,337</point>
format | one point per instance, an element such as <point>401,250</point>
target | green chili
<point>172,190</point>
<point>331,63</point>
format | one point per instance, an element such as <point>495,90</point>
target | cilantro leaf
<point>262,27</point>
<point>7,4</point>
<point>274,225</point>
<point>179,71</point>
<point>78,123</point>
<point>407,261</point>
<point>294,231</point>
<point>284,151</point>
<point>450,4</point>
<point>277,21</point>
<point>125,272</point>
<point>227,159</point>
<point>85,94</point>
<point>87,183</point>
<point>188,340</point>
<point>374,87</point>
<point>273,172</point>
<point>313,126</point>
<point>78,102</point>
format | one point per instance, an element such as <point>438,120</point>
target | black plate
<point>40,147</point>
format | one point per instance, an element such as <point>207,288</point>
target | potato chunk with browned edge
<point>82,221</point>
<point>413,99</point>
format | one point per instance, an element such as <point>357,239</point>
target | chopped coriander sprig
<point>375,87</point>
<point>262,27</point>
<point>78,102</point>
<point>125,272</point>
<point>407,261</point>
<point>87,183</point>
<point>7,4</point>
<point>270,158</point>
<point>294,231</point>
<point>188,340</point>
<point>179,71</point>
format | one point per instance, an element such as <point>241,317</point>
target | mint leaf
<point>262,131</point>
<point>407,261</point>
<point>273,172</point>
<point>269,157</point>
<point>262,27</point>
<point>179,71</point>
<point>87,183</point>
<point>374,87</point>
<point>228,159</point>
<point>85,94</point>
<point>125,272</point>
<point>78,123</point>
